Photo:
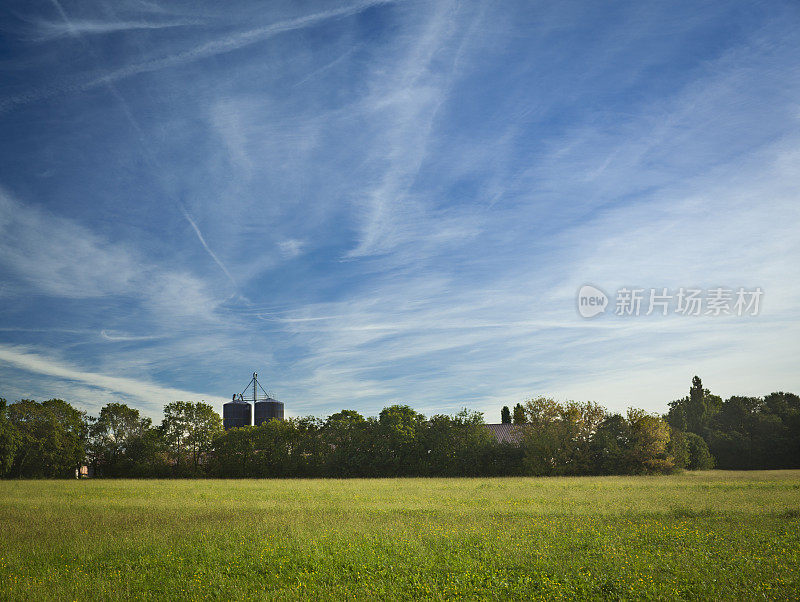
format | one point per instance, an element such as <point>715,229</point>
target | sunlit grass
<point>720,535</point>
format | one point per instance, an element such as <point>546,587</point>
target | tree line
<point>741,432</point>
<point>545,437</point>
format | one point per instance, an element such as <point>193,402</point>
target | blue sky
<point>378,202</point>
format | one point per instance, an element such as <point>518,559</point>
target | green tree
<point>398,448</point>
<point>288,448</point>
<point>116,425</point>
<point>9,440</point>
<point>505,415</point>
<point>519,414</point>
<point>757,433</point>
<point>696,409</point>
<point>783,450</point>
<point>558,436</point>
<point>234,453</point>
<point>454,445</point>
<point>344,443</point>
<point>147,455</point>
<point>610,444</point>
<point>676,416</point>
<point>733,439</point>
<point>700,457</point>
<point>189,430</point>
<point>52,438</point>
<point>694,413</point>
<point>678,448</point>
<point>310,450</point>
<point>648,449</point>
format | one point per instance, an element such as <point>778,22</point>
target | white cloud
<point>405,96</point>
<point>146,394</point>
<point>50,30</point>
<point>291,248</point>
<point>222,45</point>
<point>440,218</point>
<point>59,257</point>
<point>116,336</point>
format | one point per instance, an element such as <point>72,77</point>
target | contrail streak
<point>205,245</point>
<point>53,31</point>
<point>208,49</point>
<point>73,31</point>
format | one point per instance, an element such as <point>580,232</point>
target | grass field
<point>721,535</point>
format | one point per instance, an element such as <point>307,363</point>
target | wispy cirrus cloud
<point>147,394</point>
<point>52,30</point>
<point>216,47</point>
<point>402,106</point>
<point>115,336</point>
<point>56,256</point>
<point>407,196</point>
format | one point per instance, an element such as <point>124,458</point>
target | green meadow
<point>712,535</point>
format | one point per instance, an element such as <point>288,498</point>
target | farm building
<point>239,411</point>
<point>505,433</point>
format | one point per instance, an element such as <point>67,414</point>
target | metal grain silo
<point>267,409</point>
<point>237,413</point>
